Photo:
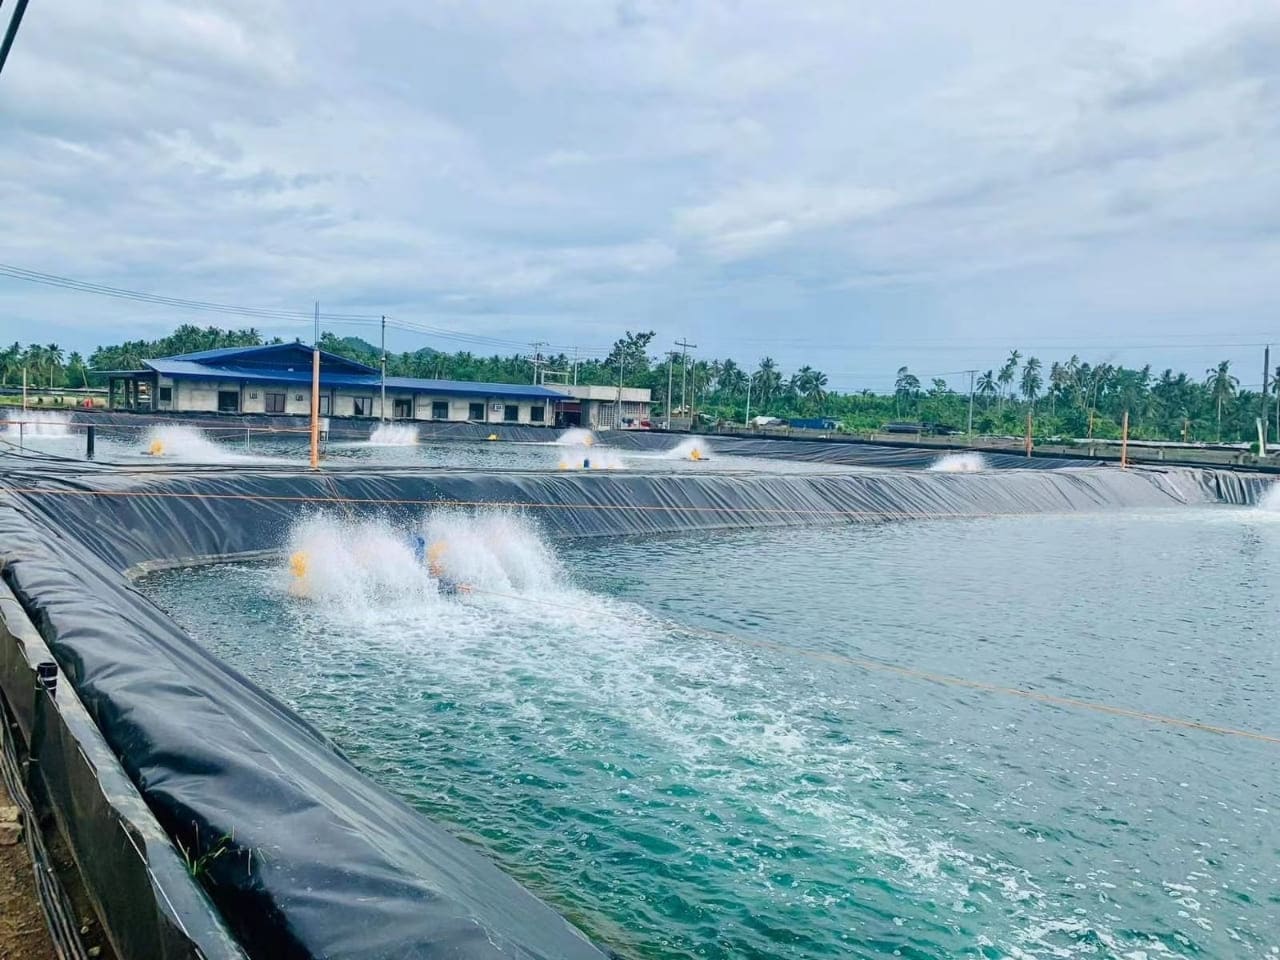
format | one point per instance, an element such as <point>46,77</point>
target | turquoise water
<point>671,741</point>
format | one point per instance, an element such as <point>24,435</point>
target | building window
<point>402,409</point>
<point>166,394</point>
<point>228,401</point>
<point>362,406</point>
<point>537,414</point>
<point>477,412</point>
<point>440,409</point>
<point>511,412</point>
<point>324,404</point>
<point>274,402</point>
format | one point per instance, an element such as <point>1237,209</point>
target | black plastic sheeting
<point>851,451</point>
<point>858,453</point>
<point>319,861</point>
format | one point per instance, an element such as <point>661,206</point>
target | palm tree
<point>10,363</point>
<point>1222,386</point>
<point>767,380</point>
<point>53,357</point>
<point>905,387</point>
<point>1031,380</point>
<point>987,387</point>
<point>1007,373</point>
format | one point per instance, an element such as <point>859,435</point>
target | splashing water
<point>576,437</point>
<point>959,463</point>
<point>691,449</point>
<point>180,442</point>
<point>393,435</point>
<point>38,423</point>
<point>591,458</point>
<point>359,565</point>
<point>1270,501</point>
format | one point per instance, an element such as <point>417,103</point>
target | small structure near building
<point>603,408</point>
<point>276,379</point>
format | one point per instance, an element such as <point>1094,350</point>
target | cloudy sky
<point>852,185</point>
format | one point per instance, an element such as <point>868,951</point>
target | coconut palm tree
<point>1031,380</point>
<point>987,387</point>
<point>1222,387</point>
<point>905,388</point>
<point>53,358</point>
<point>1007,373</point>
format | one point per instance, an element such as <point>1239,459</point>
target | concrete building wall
<point>202,395</point>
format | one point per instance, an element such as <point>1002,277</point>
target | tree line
<point>1069,398</point>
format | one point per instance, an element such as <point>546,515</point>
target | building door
<point>476,412</point>
<point>228,401</point>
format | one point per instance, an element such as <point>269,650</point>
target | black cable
<point>10,34</point>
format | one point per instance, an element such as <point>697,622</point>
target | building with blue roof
<point>276,380</point>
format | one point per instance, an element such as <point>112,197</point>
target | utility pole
<point>972,374</point>
<point>575,366</point>
<point>684,375</point>
<point>671,359</point>
<point>315,395</point>
<point>1266,372</point>
<point>746,421</point>
<point>617,419</point>
<point>536,359</point>
<point>382,406</point>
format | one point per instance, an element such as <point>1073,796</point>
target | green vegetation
<point>1072,399</point>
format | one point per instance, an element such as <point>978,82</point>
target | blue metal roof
<point>184,367</point>
<point>271,355</point>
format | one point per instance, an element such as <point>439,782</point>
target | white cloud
<point>738,170</point>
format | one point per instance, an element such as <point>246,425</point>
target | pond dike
<point>148,745</point>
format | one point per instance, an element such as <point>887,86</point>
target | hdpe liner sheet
<point>319,861</point>
<point>856,453</point>
<point>851,451</point>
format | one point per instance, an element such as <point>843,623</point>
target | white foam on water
<point>959,463</point>
<point>174,441</point>
<point>685,450</point>
<point>356,565</point>
<point>591,458</point>
<point>1270,501</point>
<point>598,671</point>
<point>576,437</point>
<point>393,435</point>
<point>52,424</point>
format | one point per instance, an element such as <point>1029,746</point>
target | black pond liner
<point>317,860</point>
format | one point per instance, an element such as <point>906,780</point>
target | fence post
<point>89,442</point>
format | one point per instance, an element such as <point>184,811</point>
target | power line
<point>122,293</point>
